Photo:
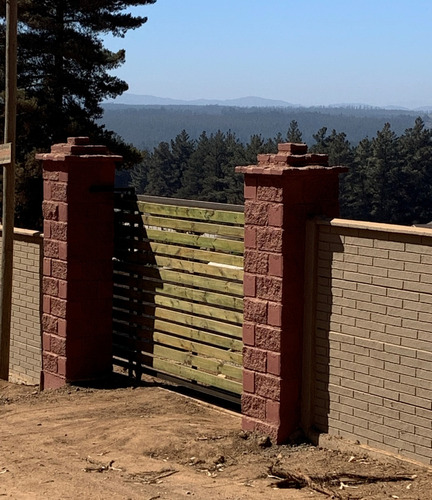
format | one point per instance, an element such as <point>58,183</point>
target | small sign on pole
<point>6,153</point>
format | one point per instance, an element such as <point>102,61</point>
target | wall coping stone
<point>376,226</point>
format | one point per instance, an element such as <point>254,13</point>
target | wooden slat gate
<point>178,290</point>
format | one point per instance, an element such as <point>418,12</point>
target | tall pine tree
<point>64,70</point>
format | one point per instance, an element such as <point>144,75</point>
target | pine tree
<point>294,134</point>
<point>385,181</point>
<point>416,153</point>
<point>355,192</point>
<point>64,72</point>
<point>63,67</point>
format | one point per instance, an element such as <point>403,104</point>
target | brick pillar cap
<point>280,169</point>
<point>78,146</point>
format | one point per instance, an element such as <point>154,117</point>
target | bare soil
<point>150,443</point>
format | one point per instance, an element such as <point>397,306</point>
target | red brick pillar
<point>281,192</point>
<point>77,267</point>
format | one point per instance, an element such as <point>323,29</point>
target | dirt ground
<point>153,443</point>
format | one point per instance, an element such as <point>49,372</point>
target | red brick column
<point>281,192</point>
<point>77,267</point>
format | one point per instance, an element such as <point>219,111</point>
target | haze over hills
<point>150,100</point>
<point>247,102</point>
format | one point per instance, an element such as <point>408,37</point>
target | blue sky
<point>309,52</point>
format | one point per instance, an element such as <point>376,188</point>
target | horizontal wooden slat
<point>222,216</point>
<point>162,326</point>
<point>183,372</point>
<point>148,312</point>
<point>122,300</point>
<point>172,237</point>
<point>196,254</point>
<point>197,375</point>
<point>215,352</point>
<point>192,360</point>
<point>147,339</point>
<point>194,226</point>
<point>155,277</point>
<point>173,290</point>
<point>213,269</point>
<point>196,241</point>
<point>126,248</point>
<point>234,344</point>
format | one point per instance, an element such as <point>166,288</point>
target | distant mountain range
<point>241,102</point>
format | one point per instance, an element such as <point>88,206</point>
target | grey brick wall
<point>373,336</point>
<point>25,351</point>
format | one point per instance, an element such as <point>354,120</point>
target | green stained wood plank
<point>145,341</point>
<point>188,345</point>
<point>199,322</point>
<point>212,269</point>
<point>143,314</point>
<point>194,226</point>
<point>162,326</point>
<point>196,241</point>
<point>140,250</point>
<point>122,300</point>
<point>197,375</point>
<point>203,214</point>
<point>196,254</point>
<point>217,367</point>
<point>173,290</point>
<point>158,276</point>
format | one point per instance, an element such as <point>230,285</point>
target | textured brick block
<point>253,406</point>
<point>270,193</point>
<point>58,231</point>
<point>58,191</point>
<point>267,337</point>
<point>255,311</point>
<point>254,359</point>
<point>269,239</point>
<point>49,323</point>
<point>268,386</point>
<point>49,362</point>
<point>256,262</point>
<point>256,214</point>
<point>51,249</point>
<point>50,286</point>
<point>58,307</point>
<point>59,269</point>
<point>269,288</point>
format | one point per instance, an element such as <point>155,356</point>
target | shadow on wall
<point>319,369</point>
<point>135,280</point>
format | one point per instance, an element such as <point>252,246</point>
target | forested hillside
<point>389,178</point>
<point>146,126</point>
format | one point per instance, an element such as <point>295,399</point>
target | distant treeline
<point>389,177</point>
<point>146,126</point>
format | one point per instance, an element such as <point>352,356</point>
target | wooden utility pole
<point>8,187</point>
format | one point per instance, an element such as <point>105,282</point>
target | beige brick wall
<point>373,336</point>
<point>25,350</point>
